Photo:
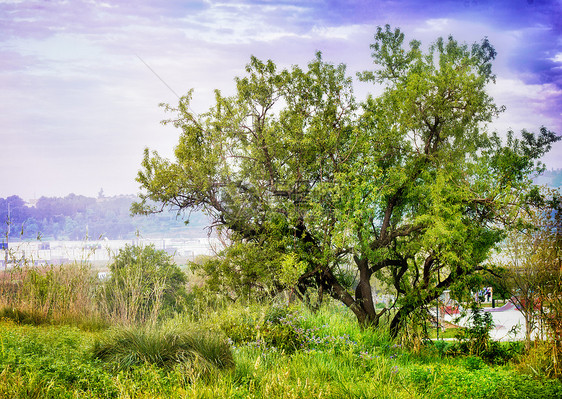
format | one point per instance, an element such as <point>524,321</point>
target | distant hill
<point>76,217</point>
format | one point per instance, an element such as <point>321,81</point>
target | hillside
<point>76,217</point>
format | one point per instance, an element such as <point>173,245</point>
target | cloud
<point>77,101</point>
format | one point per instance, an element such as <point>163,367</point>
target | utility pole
<point>7,240</point>
<point>437,306</point>
<point>437,310</point>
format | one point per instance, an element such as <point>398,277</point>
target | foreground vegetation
<point>252,352</point>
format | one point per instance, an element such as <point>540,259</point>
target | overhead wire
<point>167,85</point>
<point>158,76</point>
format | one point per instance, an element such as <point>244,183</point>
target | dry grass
<point>52,293</point>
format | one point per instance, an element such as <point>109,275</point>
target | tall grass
<point>145,286</point>
<point>225,351</point>
<point>142,289</point>
<point>49,362</point>
<point>47,294</point>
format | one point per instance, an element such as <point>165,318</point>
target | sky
<point>81,81</point>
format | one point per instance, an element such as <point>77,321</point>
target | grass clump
<point>127,347</point>
<point>22,316</point>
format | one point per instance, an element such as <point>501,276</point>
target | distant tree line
<point>76,217</point>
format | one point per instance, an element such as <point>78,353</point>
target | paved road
<point>509,324</point>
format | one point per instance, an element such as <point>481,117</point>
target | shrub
<point>473,363</point>
<point>538,360</point>
<point>144,285</point>
<point>242,272</point>
<point>475,339</point>
<point>422,376</point>
<point>290,329</point>
<point>442,347</point>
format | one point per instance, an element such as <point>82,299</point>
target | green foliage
<point>473,363</point>
<point>144,285</point>
<point>409,186</point>
<point>264,328</point>
<point>531,270</point>
<point>546,249</point>
<point>291,269</point>
<point>49,362</point>
<point>475,342</point>
<point>475,339</point>
<point>538,360</point>
<point>133,346</point>
<point>242,271</point>
<point>290,329</point>
<point>186,359</point>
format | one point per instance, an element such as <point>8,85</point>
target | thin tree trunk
<point>399,319</point>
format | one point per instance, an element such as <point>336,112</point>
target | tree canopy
<point>409,186</point>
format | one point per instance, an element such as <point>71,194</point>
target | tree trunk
<point>398,320</point>
<point>364,295</point>
<point>528,329</point>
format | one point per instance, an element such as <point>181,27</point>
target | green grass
<point>443,334</point>
<point>127,347</point>
<point>326,355</point>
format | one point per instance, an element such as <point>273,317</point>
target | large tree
<point>408,186</point>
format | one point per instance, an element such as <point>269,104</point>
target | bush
<point>422,376</point>
<point>538,360</point>
<point>144,285</point>
<point>290,329</point>
<point>473,363</point>
<point>242,272</point>
<point>475,339</point>
<point>442,347</point>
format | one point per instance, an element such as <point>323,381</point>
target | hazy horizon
<point>79,105</point>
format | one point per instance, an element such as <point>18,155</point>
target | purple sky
<point>77,106</point>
